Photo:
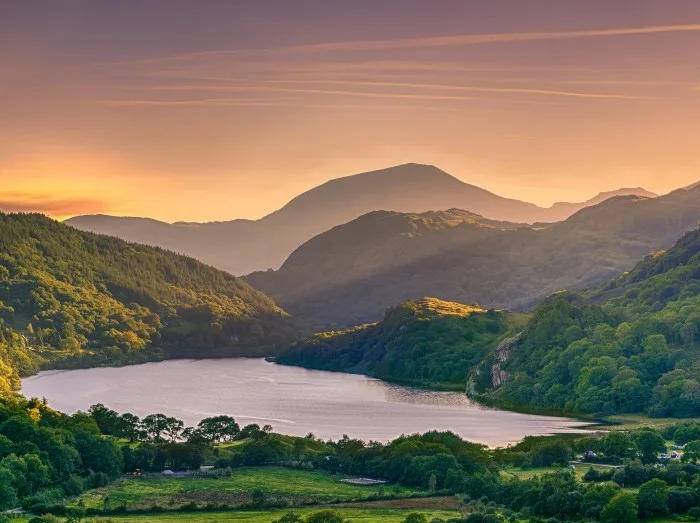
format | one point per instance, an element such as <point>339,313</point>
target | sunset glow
<point>219,110</point>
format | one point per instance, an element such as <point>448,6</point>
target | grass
<point>580,470</point>
<point>636,421</point>
<point>293,487</point>
<point>376,515</point>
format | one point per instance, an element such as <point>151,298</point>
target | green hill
<point>352,273</point>
<point>71,298</point>
<point>428,341</point>
<point>632,345</point>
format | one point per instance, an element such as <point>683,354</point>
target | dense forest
<point>632,345</point>
<point>428,342</point>
<point>71,298</point>
<point>47,459</point>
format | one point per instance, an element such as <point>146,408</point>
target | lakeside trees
<point>70,298</point>
<point>46,456</point>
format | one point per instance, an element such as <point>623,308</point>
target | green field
<point>580,470</point>
<point>637,421</point>
<point>293,487</point>
<point>378,515</point>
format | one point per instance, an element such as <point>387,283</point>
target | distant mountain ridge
<point>243,246</point>
<point>351,273</point>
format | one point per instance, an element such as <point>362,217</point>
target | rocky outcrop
<point>500,356</point>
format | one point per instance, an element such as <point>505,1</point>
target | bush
<point>98,480</point>
<point>325,516</point>
<point>73,486</point>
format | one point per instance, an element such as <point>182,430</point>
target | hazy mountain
<point>562,210</point>
<point>630,345</point>
<point>243,246</point>
<point>351,273</point>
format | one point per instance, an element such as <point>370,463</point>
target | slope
<point>350,274</point>
<point>244,246</point>
<point>71,298</point>
<point>425,342</point>
<point>632,345</point>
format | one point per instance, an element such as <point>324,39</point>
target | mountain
<point>631,345</point>
<point>424,342</point>
<point>351,273</point>
<point>562,210</point>
<point>244,246</point>
<point>72,298</point>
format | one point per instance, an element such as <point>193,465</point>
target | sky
<point>207,110</point>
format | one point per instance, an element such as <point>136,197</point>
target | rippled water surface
<point>293,400</point>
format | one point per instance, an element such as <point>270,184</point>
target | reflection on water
<point>293,400</point>
<point>397,393</point>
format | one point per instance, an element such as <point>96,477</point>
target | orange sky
<point>214,110</point>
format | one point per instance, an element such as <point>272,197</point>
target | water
<point>294,401</point>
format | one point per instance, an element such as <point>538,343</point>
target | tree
<point>691,452</point>
<point>415,517</point>
<point>290,517</point>
<point>8,494</point>
<point>622,508</point>
<point>219,428</point>
<point>173,429</point>
<point>157,426</point>
<point>652,498</point>
<point>650,444</point>
<point>106,419</point>
<point>325,516</point>
<point>618,445</point>
<point>129,427</point>
<point>257,497</point>
<point>432,482</point>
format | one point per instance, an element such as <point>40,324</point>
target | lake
<point>293,400</point>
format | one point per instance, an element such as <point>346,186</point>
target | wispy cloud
<point>434,41</point>
<point>46,204</point>
<point>445,87</point>
<point>201,101</point>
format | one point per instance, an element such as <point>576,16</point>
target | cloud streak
<point>432,42</point>
<point>46,204</point>
<point>438,87</point>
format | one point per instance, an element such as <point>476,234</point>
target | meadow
<point>264,485</point>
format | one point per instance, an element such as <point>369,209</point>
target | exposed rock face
<point>498,375</point>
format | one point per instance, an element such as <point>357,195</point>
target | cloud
<point>57,207</point>
<point>198,102</point>
<point>431,42</point>
<point>439,87</point>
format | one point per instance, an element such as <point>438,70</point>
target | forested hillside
<point>352,273</point>
<point>427,342</point>
<point>632,345</point>
<point>72,298</point>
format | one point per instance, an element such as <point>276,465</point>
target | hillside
<point>351,273</point>
<point>629,346</point>
<point>71,298</point>
<point>423,342</point>
<point>244,246</point>
<point>632,345</point>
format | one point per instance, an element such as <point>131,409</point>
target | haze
<point>216,110</point>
